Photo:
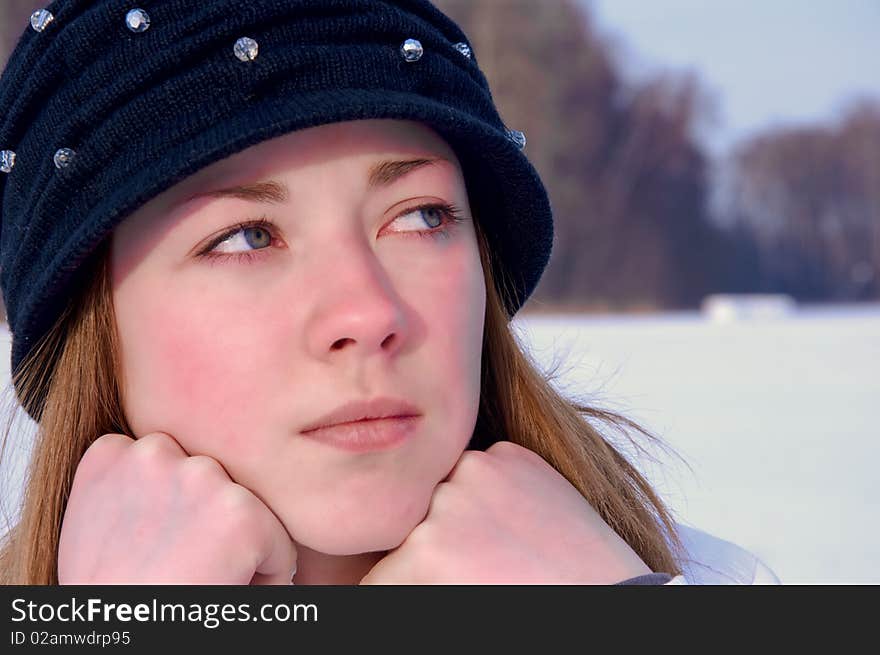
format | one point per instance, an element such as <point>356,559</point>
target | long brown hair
<point>69,382</point>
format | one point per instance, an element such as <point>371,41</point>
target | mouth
<point>366,435</point>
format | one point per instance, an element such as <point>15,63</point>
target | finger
<point>278,556</point>
<point>161,442</point>
<point>380,574</point>
<point>455,467</point>
<point>112,440</point>
<point>399,566</point>
<point>103,452</point>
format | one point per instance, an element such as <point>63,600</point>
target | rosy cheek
<point>451,302</point>
<point>197,373</point>
<point>457,298</point>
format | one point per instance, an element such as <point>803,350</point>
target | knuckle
<point>112,440</point>
<point>238,504</point>
<point>202,466</point>
<point>443,493</point>
<point>102,452</point>
<point>505,448</point>
<point>423,544</point>
<point>237,495</point>
<point>109,446</point>
<point>447,497</point>
<point>472,456</point>
<point>156,444</point>
<point>474,460</point>
<point>511,450</point>
<point>421,537</point>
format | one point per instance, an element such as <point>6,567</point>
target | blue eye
<point>256,236</point>
<point>432,216</point>
<point>252,234</point>
<point>440,217</point>
<point>259,234</point>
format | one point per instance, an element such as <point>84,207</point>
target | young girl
<point>260,264</point>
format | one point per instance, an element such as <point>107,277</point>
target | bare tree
<point>811,196</point>
<point>625,173</point>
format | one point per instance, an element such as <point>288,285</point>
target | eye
<point>254,236</point>
<point>439,217</point>
<point>250,240</point>
<point>244,241</point>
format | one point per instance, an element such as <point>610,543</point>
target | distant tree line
<point>644,217</point>
<point>809,198</point>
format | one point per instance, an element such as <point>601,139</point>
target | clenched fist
<point>505,516</point>
<point>145,512</point>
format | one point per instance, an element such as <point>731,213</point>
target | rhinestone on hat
<point>41,18</point>
<point>412,50</point>
<point>463,48</point>
<point>7,160</point>
<point>519,138</point>
<point>246,49</point>
<point>63,157</point>
<point>137,20</point>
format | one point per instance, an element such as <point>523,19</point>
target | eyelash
<point>452,216</point>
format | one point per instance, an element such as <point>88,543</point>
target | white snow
<point>776,417</point>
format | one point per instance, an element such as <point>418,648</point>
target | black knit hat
<point>107,103</point>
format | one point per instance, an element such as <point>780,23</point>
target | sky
<point>767,62</point>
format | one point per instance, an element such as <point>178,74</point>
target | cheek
<point>451,302</point>
<point>462,300</point>
<point>191,367</point>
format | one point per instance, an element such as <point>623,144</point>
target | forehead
<point>364,140</point>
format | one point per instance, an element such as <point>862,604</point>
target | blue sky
<point>766,62</point>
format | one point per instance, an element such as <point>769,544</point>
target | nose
<point>358,310</point>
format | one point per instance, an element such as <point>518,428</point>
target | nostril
<point>339,343</point>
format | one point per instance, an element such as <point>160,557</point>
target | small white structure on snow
<point>724,308</point>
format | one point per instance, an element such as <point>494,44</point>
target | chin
<point>382,527</point>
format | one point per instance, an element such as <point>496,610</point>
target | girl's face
<point>233,340</point>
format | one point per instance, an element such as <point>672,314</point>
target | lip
<point>366,435</point>
<point>359,410</point>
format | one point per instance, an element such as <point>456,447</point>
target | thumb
<point>278,560</point>
<point>279,578</point>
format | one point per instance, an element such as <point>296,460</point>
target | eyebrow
<point>381,174</point>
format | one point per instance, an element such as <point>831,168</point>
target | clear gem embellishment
<point>246,49</point>
<point>137,20</point>
<point>7,160</point>
<point>63,157</point>
<point>412,50</point>
<point>40,19</point>
<point>519,138</point>
<point>464,49</point>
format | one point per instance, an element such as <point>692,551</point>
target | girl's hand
<point>505,516</point>
<point>145,512</point>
